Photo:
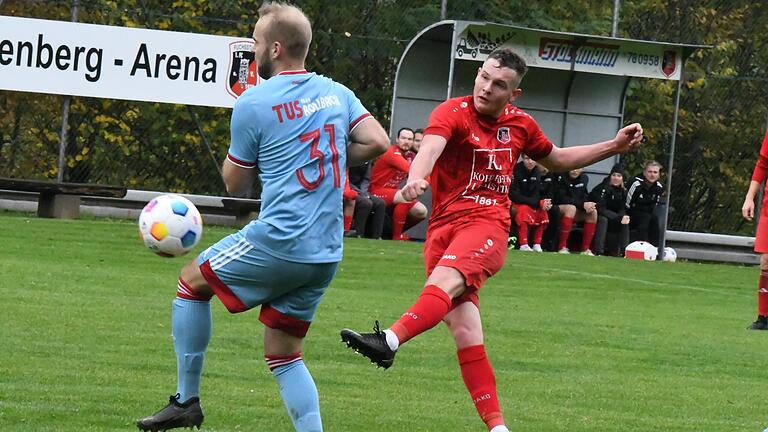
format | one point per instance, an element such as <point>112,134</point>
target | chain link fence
<point>179,148</point>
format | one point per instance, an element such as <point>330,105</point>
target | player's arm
<point>758,176</point>
<point>565,159</point>
<point>238,180</point>
<point>367,140</point>
<point>432,147</point>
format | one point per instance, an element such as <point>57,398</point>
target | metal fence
<point>179,148</point>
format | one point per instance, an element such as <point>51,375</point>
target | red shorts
<point>529,215</point>
<point>477,249</point>
<point>386,194</point>
<point>761,238</point>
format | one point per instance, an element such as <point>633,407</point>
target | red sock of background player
<point>539,234</point>
<point>762,294</point>
<point>565,230</point>
<point>478,376</point>
<point>589,234</point>
<point>522,233</point>
<point>411,221</point>
<point>347,222</point>
<point>399,214</point>
<point>427,312</point>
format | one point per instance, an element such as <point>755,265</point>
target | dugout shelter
<point>575,88</point>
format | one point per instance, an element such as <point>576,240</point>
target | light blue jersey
<point>295,128</point>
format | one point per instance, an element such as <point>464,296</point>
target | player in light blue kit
<point>300,130</point>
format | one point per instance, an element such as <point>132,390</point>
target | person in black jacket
<point>547,183</point>
<point>571,198</point>
<point>611,196</point>
<point>644,195</point>
<point>530,208</point>
<point>369,210</point>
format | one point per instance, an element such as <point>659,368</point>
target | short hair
<point>289,26</point>
<point>652,163</point>
<point>404,128</point>
<point>510,59</point>
<point>421,131</point>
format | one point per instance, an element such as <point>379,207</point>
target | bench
<point>244,209</point>
<point>60,199</point>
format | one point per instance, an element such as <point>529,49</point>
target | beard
<point>265,68</point>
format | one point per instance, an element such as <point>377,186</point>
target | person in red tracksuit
<point>388,173</point>
<point>469,149</point>
<point>761,238</point>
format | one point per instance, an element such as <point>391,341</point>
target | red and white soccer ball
<point>170,225</point>
<point>641,250</point>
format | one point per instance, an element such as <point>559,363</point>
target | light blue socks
<point>191,321</point>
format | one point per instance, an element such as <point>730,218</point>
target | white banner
<point>78,59</point>
<point>556,51</point>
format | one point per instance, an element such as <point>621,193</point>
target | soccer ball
<point>670,255</point>
<point>170,225</point>
<point>641,250</point>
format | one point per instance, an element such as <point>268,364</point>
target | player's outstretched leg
<point>372,345</point>
<point>191,328</point>
<point>380,346</point>
<point>298,390</point>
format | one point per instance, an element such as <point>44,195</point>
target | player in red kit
<point>388,173</point>
<point>761,239</point>
<point>468,152</point>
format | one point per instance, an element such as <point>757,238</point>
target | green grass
<point>578,343</point>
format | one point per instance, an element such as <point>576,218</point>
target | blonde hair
<point>288,25</point>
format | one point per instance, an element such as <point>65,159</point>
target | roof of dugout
<point>575,89</point>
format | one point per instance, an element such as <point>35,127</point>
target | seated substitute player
<point>388,173</point>
<point>530,208</point>
<point>285,259</point>
<point>418,136</point>
<point>610,196</point>
<point>572,199</point>
<point>547,191</point>
<point>468,152</point>
<point>761,238</point>
<point>369,210</point>
<point>643,197</point>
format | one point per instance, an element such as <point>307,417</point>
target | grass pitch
<point>578,343</point>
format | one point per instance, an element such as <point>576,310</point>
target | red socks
<point>522,233</point>
<point>347,222</point>
<point>565,230</point>
<point>762,294</point>
<point>481,383</point>
<point>399,215</point>
<point>589,234</point>
<point>427,312</point>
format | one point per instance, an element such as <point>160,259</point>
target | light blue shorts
<point>243,276</point>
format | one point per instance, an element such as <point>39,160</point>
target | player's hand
<point>629,137</point>
<point>590,207</point>
<point>625,220</point>
<point>414,189</point>
<point>748,209</point>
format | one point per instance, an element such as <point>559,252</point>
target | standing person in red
<point>468,152</point>
<point>389,171</point>
<point>761,239</point>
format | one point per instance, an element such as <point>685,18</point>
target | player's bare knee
<point>764,262</point>
<point>568,210</point>
<point>194,279</point>
<point>280,343</point>
<point>464,333</point>
<point>419,210</point>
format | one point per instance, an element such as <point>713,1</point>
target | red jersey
<point>761,167</point>
<point>390,169</point>
<point>471,178</point>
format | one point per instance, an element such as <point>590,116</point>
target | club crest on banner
<point>669,63</point>
<point>503,135</point>
<point>242,73</point>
